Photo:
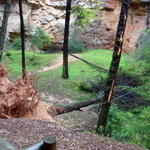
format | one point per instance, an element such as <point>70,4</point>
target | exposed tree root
<point>17,98</point>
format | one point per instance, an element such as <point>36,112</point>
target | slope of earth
<point>23,133</point>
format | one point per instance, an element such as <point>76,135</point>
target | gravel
<point>23,133</point>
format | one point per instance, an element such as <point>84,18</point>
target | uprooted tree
<point>17,98</point>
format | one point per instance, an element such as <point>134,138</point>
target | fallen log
<point>89,63</point>
<point>77,106</point>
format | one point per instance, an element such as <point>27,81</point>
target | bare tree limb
<point>89,63</point>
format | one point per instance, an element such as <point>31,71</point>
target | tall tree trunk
<point>102,122</point>
<point>3,29</point>
<point>22,38</point>
<point>65,74</point>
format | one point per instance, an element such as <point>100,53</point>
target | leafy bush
<point>84,15</point>
<point>76,44</point>
<point>40,39</point>
<point>16,44</point>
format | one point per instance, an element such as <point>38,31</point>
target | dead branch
<point>89,63</point>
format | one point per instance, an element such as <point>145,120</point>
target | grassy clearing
<point>12,60</point>
<point>79,72</point>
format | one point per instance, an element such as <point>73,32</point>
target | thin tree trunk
<point>103,117</point>
<point>65,74</point>
<point>22,38</point>
<point>89,63</point>
<point>3,29</point>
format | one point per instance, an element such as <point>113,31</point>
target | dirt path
<point>57,63</point>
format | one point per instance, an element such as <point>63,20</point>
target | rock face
<point>50,15</point>
<point>101,32</point>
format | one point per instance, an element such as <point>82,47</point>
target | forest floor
<point>23,133</point>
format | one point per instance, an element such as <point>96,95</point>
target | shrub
<point>40,39</point>
<point>76,44</point>
<point>16,44</point>
<point>83,15</point>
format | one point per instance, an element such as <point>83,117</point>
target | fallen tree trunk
<point>89,63</point>
<point>77,106</point>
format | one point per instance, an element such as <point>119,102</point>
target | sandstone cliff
<point>50,15</point>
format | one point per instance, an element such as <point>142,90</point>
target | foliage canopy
<point>84,14</point>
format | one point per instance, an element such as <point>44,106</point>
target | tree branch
<point>89,63</point>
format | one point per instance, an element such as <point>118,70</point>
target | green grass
<point>132,127</point>
<point>33,61</point>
